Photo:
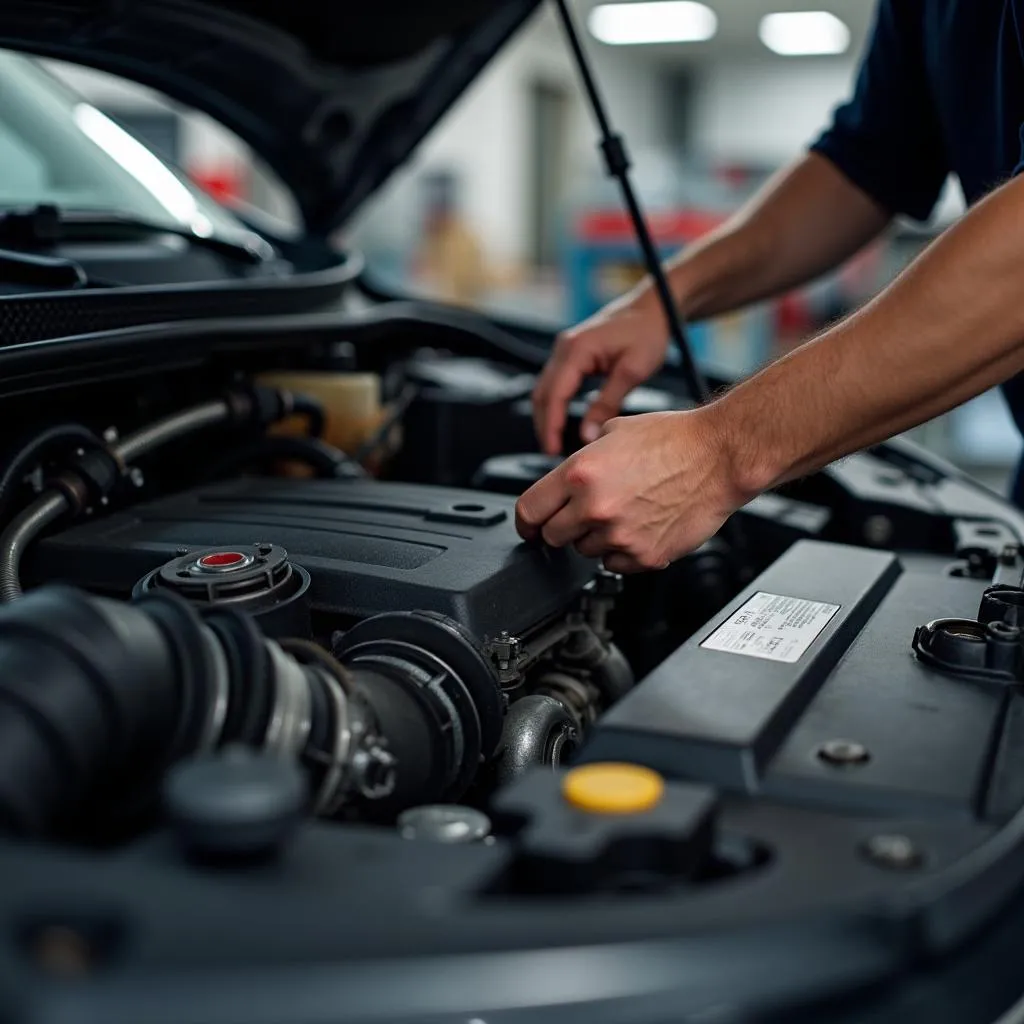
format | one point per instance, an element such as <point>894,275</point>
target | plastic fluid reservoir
<point>351,401</point>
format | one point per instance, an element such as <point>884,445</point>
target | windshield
<point>56,148</point>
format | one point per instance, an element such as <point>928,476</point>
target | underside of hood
<point>333,96</point>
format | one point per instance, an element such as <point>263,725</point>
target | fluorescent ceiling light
<point>804,33</point>
<point>661,21</point>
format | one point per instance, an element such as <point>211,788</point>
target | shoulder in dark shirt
<point>940,91</point>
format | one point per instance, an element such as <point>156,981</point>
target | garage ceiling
<point>738,27</point>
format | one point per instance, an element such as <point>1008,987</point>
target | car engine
<point>397,640</point>
<point>281,686</point>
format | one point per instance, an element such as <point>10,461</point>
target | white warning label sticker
<point>772,627</point>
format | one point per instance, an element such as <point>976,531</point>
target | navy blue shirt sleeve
<point>887,139</point>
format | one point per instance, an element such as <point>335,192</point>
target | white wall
<point>766,110</point>
<point>485,139</point>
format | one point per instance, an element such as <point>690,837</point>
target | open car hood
<point>333,96</point>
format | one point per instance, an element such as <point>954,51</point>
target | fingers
<point>540,503</point>
<point>624,565</point>
<point>597,544</point>
<point>561,510</point>
<point>557,386</point>
<point>606,406</point>
<point>593,544</point>
<point>642,494</point>
<point>564,528</point>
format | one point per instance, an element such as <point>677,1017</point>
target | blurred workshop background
<point>505,208</point>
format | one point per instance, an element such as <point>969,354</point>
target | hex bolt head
<point>844,753</point>
<point>895,852</point>
<point>608,584</point>
<point>375,773</point>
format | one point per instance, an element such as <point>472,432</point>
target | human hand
<point>650,490</point>
<point>625,342</point>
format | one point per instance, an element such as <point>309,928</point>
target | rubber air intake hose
<point>436,696</point>
<point>94,692</point>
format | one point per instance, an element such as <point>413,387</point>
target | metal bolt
<point>445,824</point>
<point>506,649</point>
<point>136,477</point>
<point>844,753</point>
<point>1008,556</point>
<point>893,851</point>
<point>181,552</point>
<point>265,549</point>
<point>375,772</point>
<point>608,584</point>
<point>110,435</point>
<point>878,530</point>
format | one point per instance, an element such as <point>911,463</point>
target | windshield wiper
<point>47,224</point>
<point>45,272</point>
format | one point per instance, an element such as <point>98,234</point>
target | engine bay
<point>267,660</point>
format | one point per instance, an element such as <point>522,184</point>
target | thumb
<point>608,403</point>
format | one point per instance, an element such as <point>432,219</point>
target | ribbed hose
<point>51,505</point>
<point>89,690</point>
<point>141,443</point>
<point>19,535</point>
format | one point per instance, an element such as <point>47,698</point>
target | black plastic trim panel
<point>718,717</point>
<point>41,317</point>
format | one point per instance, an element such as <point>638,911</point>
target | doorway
<point>549,131</point>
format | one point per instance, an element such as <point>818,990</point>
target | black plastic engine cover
<point>370,547</point>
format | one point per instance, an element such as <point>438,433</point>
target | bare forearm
<point>806,221</point>
<point>951,327</point>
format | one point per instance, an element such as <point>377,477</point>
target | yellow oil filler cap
<point>613,788</point>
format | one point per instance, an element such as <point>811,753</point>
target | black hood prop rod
<point>617,165</point>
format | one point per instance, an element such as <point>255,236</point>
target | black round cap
<point>238,804</point>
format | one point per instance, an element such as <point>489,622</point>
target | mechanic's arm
<point>807,220</point>
<point>655,487</point>
<point>883,152</point>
